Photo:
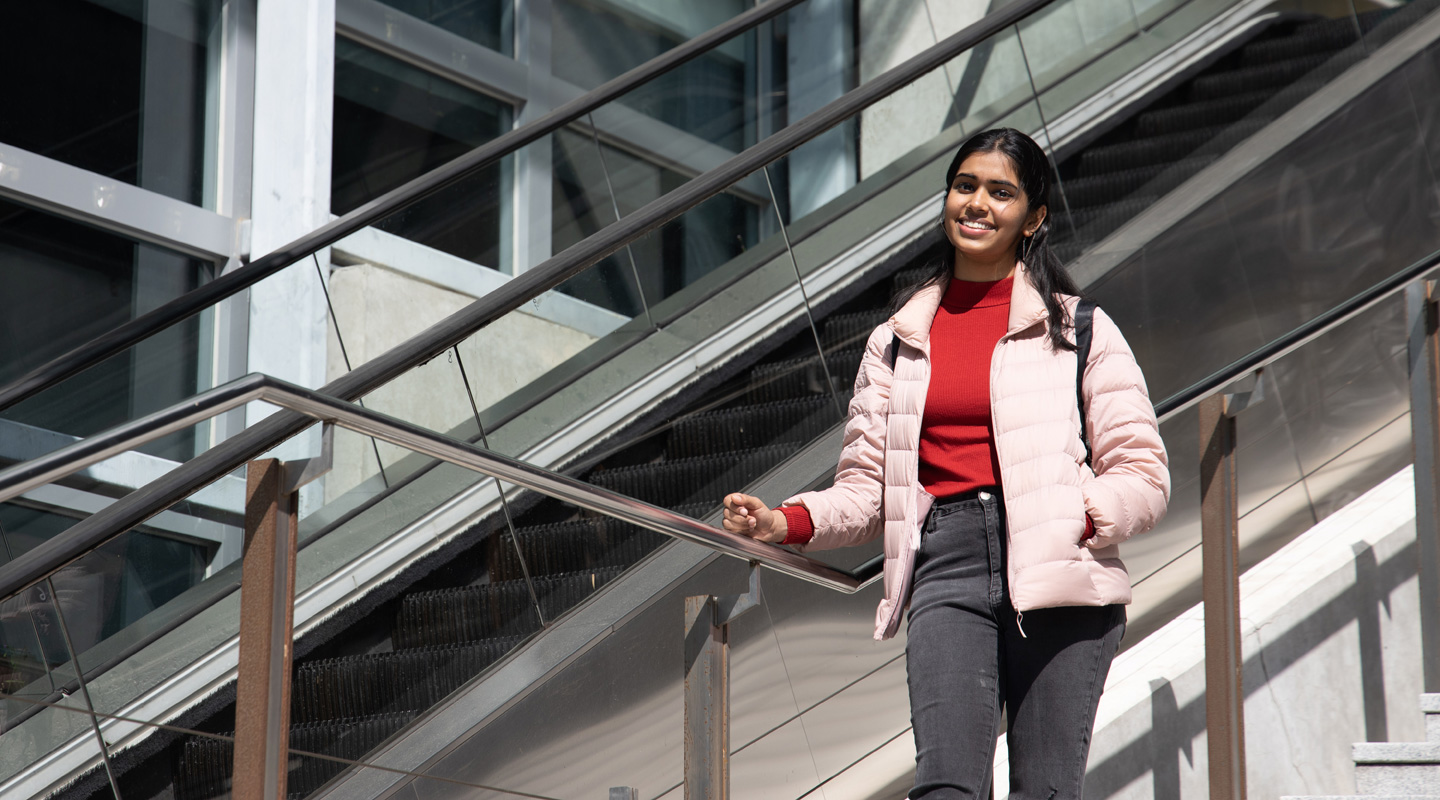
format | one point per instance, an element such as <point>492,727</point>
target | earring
<point>1028,246</point>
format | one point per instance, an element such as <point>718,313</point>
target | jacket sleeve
<point>848,512</point>
<point>1129,489</point>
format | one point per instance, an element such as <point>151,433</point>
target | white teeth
<point>977,225</point>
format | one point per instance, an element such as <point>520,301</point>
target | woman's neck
<point>966,269</point>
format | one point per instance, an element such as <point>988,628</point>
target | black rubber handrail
<point>1296,338</point>
<point>191,303</point>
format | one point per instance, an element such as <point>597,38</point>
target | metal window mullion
<point>111,205</point>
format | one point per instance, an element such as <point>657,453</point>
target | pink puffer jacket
<point>1048,489</point>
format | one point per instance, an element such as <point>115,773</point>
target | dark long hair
<point>1042,266</point>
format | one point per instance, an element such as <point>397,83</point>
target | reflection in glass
<point>668,260</point>
<point>64,284</point>
<point>706,97</point>
<point>485,22</point>
<point>117,87</point>
<point>395,122</point>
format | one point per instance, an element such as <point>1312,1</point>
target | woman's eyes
<point>967,188</point>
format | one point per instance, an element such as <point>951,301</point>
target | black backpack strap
<point>1084,324</point>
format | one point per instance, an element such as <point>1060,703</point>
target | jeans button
<point>984,495</point>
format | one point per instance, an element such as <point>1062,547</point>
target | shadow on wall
<point>1168,750</point>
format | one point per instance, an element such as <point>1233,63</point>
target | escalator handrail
<point>138,506</point>
<point>191,303</point>
<point>1296,338</point>
<point>45,559</point>
<point>55,553</point>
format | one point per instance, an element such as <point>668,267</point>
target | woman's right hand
<point>748,515</point>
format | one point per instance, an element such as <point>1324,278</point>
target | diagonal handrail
<point>52,555</point>
<point>143,503</point>
<point>191,303</point>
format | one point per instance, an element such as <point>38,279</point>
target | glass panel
<point>1137,163</point>
<point>485,22</point>
<point>134,77</point>
<point>1062,37</point>
<point>65,283</point>
<point>394,122</point>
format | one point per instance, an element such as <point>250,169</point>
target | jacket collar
<point>912,322</point>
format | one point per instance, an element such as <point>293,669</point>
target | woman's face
<point>986,211</point>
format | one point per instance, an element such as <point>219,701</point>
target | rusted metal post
<point>707,689</point>
<point>1424,357</point>
<point>1220,549</point>
<point>267,591</point>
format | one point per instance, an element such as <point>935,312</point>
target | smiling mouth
<point>976,225</point>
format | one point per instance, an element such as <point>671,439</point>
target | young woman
<point>963,448</point>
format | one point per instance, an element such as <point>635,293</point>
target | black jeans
<point>967,658</point>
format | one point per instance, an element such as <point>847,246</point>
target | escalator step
<point>404,680</point>
<point>844,331</point>
<point>691,480</point>
<point>574,546</point>
<point>206,765</point>
<point>1111,187</point>
<point>475,613</point>
<point>801,377</point>
<point>1096,222</point>
<point>905,277</point>
<point>1250,79</point>
<point>1144,152</point>
<point>1320,36</point>
<point>797,420</point>
<point>1198,115</point>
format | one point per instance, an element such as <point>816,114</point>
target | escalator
<point>373,672</point>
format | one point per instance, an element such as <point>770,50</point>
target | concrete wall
<point>378,308</point>
<point>1332,657</point>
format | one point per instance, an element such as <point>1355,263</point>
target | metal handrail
<point>191,303</point>
<point>143,503</point>
<point>47,558</point>
<point>53,554</point>
<point>1296,338</point>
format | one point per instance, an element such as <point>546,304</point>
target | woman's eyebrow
<point>992,180</point>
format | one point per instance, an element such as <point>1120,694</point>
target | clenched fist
<point>747,515</point>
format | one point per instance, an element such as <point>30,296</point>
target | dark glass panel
<point>393,123</point>
<point>113,87</point>
<point>65,283</point>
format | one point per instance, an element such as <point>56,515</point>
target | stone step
<point>1357,797</point>
<point>1397,768</point>
<point>1430,707</point>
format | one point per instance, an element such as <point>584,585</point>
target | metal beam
<point>181,308</point>
<point>1423,320</point>
<point>707,689</point>
<point>1220,548</point>
<point>116,206</point>
<point>267,614</point>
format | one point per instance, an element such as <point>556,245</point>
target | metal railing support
<point>1220,548</point>
<point>267,617</point>
<point>707,689</point>
<point>1423,320</point>
<point>262,692</point>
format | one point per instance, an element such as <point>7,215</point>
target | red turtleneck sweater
<point>957,444</point>
<point>957,441</point>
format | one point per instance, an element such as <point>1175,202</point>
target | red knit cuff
<point>1089,529</point>
<point>798,527</point>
